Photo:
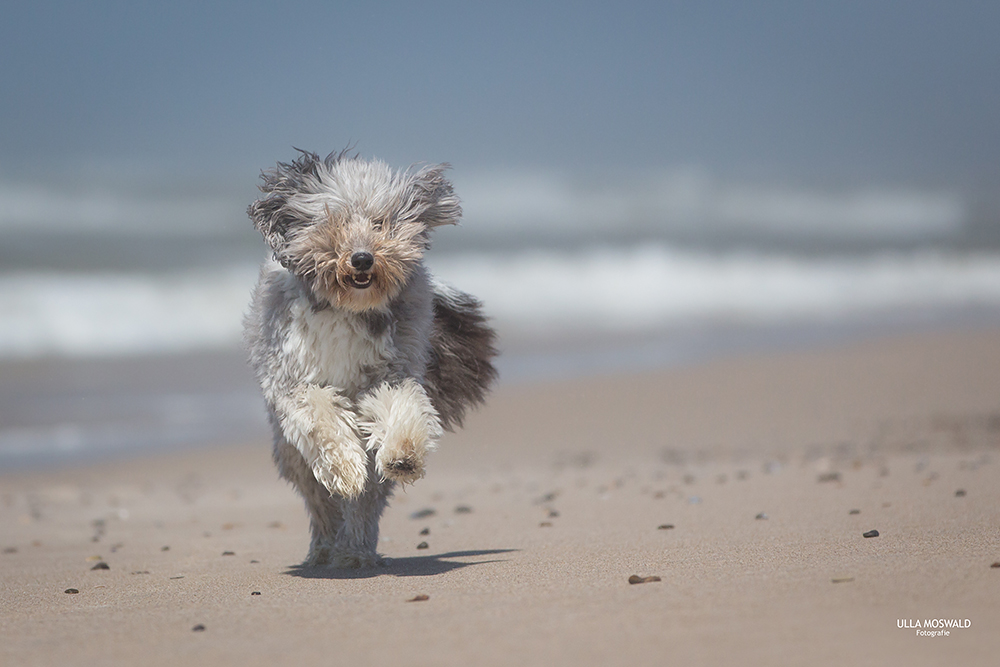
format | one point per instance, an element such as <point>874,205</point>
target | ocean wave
<point>661,203</point>
<point>691,202</point>
<point>598,289</point>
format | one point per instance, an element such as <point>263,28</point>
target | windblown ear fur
<point>269,213</point>
<point>433,194</point>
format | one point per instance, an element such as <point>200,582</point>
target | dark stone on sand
<point>960,493</point>
<point>425,531</point>
<point>545,524</point>
<point>665,526</point>
<point>871,533</point>
<point>180,577</point>
<point>842,580</point>
<point>829,477</point>
<point>636,579</point>
<point>10,550</point>
<point>761,517</point>
<point>164,548</point>
<point>198,628</point>
<point>855,512</point>
<point>255,561</point>
<point>423,545</point>
<point>419,598</point>
<point>228,553</point>
<point>101,566</point>
<point>424,513</point>
<point>255,593</point>
<point>463,509</point>
<point>553,514</point>
<point>71,591</point>
<point>996,564</point>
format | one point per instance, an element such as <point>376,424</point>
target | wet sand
<point>746,485</point>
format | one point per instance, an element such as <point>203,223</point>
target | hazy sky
<point>894,91</point>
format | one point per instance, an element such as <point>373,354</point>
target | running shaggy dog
<point>362,357</point>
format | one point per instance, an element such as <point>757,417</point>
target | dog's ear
<point>270,213</point>
<point>434,197</point>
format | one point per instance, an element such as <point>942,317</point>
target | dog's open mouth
<point>362,280</point>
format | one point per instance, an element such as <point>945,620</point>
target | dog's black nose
<point>362,261</point>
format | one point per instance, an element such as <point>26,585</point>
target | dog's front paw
<point>342,470</point>
<point>402,461</point>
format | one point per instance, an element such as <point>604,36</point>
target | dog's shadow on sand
<point>411,566</point>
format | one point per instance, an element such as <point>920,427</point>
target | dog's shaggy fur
<point>363,359</point>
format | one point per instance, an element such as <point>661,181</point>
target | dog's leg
<point>321,425</point>
<point>402,426</point>
<point>357,538</point>
<point>325,514</point>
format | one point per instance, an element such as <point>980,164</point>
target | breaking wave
<point>597,289</point>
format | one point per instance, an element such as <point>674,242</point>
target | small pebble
<point>10,550</point>
<point>960,493</point>
<point>842,580</point>
<point>636,579</point>
<point>101,566</point>
<point>228,553</point>
<point>761,517</point>
<point>855,512</point>
<point>545,524</point>
<point>255,593</point>
<point>425,531</point>
<point>463,509</point>
<point>665,526</point>
<point>71,591</point>
<point>141,572</point>
<point>164,548</point>
<point>419,598</point>
<point>996,564</point>
<point>871,533</point>
<point>829,477</point>
<point>553,514</point>
<point>180,577</point>
<point>198,628</point>
<point>423,545</point>
<point>424,513</point>
<point>255,561</point>
<point>275,524</point>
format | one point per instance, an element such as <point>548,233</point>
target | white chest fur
<point>334,348</point>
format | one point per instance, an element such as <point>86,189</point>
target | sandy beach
<point>745,485</point>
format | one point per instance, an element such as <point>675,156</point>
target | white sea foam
<point>121,314</point>
<point>615,289</point>
<point>534,292</point>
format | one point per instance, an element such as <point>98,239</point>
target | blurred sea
<point>121,305</point>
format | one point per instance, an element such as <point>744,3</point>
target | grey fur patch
<point>461,369</point>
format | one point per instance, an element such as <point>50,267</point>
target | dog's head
<point>353,230</point>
